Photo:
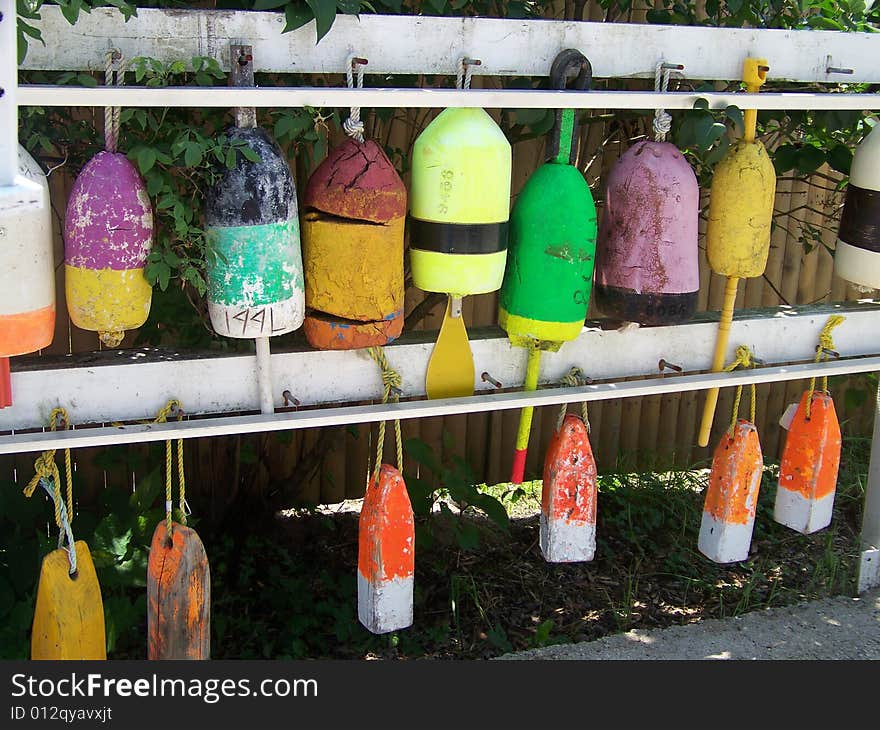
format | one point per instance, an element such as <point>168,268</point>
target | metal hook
<point>290,400</point>
<point>664,364</point>
<point>672,66</point>
<point>486,378</point>
<point>568,63</point>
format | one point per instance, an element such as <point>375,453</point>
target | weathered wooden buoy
<point>568,495</point>
<point>178,595</point>
<point>352,238</point>
<point>856,256</point>
<point>808,470</point>
<point>255,284</point>
<point>549,272</point>
<point>69,612</point>
<point>740,215</point>
<point>27,272</point>
<point>108,234</point>
<point>459,211</point>
<point>647,260</point>
<point>386,554</point>
<point>732,496</point>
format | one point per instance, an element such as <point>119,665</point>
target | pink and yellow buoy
<point>108,234</point>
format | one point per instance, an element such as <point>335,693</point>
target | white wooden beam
<point>132,385</point>
<point>434,45</point>
<point>271,96</point>
<point>345,415</point>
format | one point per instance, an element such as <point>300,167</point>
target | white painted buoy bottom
<point>803,515</point>
<point>567,541</point>
<point>724,542</point>
<point>386,605</point>
<point>857,265</point>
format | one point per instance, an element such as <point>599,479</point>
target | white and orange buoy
<point>811,457</point>
<point>27,269</point>
<point>734,482</point>
<point>568,495</point>
<point>386,532</point>
<point>386,554</point>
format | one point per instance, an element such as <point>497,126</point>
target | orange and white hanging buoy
<point>568,494</point>
<point>386,554</point>
<point>735,479</point>
<point>811,458</point>
<point>386,533</point>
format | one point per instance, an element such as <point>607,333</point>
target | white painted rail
<point>415,45</point>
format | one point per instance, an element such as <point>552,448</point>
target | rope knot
<point>573,378</point>
<point>171,407</point>
<point>353,126</point>
<point>744,358</point>
<point>826,345</point>
<point>391,381</point>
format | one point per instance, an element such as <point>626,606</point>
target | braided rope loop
<point>391,383</point>
<point>353,126</point>
<point>114,75</point>
<point>662,120</point>
<point>826,343</point>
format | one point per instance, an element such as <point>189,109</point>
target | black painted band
<point>860,220</point>
<point>458,238</point>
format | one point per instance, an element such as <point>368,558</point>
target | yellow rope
<point>743,358</point>
<point>572,378</point>
<point>46,468</point>
<point>162,417</point>
<point>391,383</point>
<point>825,343</point>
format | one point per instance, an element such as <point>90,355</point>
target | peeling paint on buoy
<point>386,554</point>
<point>732,495</point>
<point>810,462</point>
<point>178,595</point>
<point>568,496</point>
<point>108,234</point>
<point>353,249</point>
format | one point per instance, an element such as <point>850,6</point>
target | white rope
<point>353,126</point>
<point>66,531</point>
<point>463,78</point>
<point>114,74</point>
<point>662,120</point>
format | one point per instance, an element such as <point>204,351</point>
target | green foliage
<point>446,482</point>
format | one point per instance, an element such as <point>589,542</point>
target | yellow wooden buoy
<point>740,214</point>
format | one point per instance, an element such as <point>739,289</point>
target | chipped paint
<point>69,612</point>
<point>732,495</point>
<point>27,271</point>
<point>255,284</point>
<point>809,466</point>
<point>647,246</point>
<point>568,495</point>
<point>386,554</point>
<point>741,211</point>
<point>178,595</point>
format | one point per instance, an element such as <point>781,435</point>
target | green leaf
<point>785,158</point>
<point>296,15</point>
<point>437,5</point>
<point>269,4</point>
<point>193,155</point>
<point>250,154</point>
<point>809,159</point>
<point>325,14</point>
<point>840,158</point>
<point>231,159</point>
<point>146,158</point>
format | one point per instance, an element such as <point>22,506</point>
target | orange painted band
<point>26,332</point>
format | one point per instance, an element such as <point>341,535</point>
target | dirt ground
<point>831,628</point>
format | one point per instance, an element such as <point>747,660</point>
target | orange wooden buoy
<point>729,508</point>
<point>178,595</point>
<point>386,554</point>
<point>568,495</point>
<point>810,461</point>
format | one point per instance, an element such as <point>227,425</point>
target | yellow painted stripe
<point>518,328</point>
<point>107,300</point>
<point>458,274</point>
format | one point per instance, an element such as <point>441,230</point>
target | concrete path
<point>833,628</point>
